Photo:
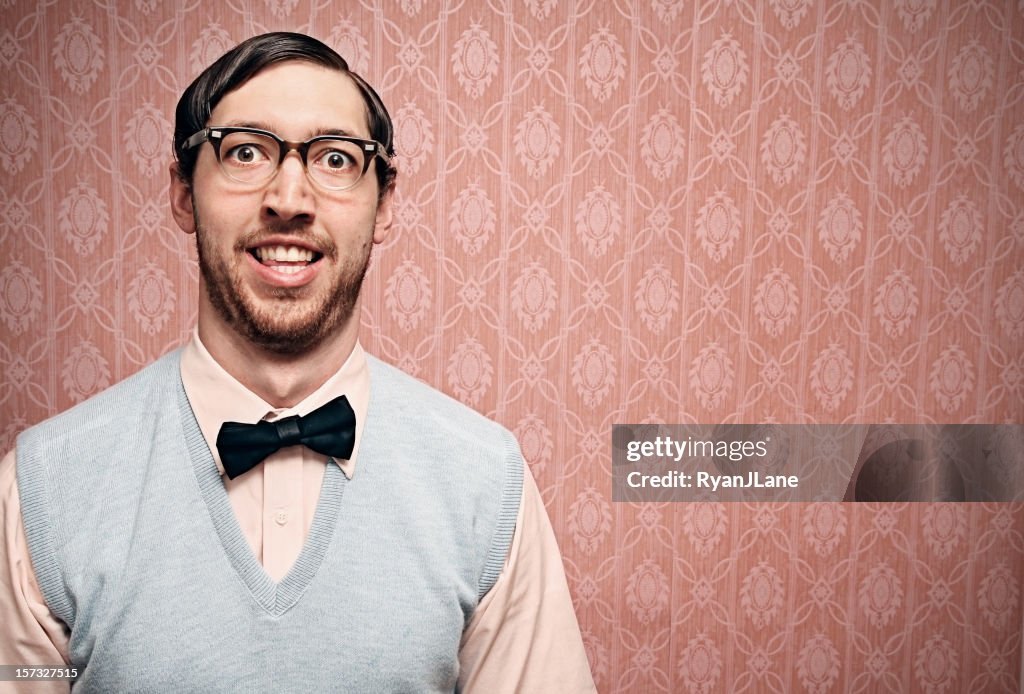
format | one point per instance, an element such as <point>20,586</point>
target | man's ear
<point>385,216</point>
<point>180,194</point>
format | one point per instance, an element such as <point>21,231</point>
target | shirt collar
<point>217,397</point>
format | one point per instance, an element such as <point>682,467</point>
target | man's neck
<point>282,380</point>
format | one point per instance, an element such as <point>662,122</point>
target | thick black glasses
<point>253,156</point>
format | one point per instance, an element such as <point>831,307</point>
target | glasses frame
<point>215,136</point>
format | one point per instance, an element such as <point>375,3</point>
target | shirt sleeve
<point>523,636</point>
<point>31,635</point>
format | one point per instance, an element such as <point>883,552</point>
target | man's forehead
<point>299,95</point>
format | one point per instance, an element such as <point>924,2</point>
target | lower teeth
<point>288,269</point>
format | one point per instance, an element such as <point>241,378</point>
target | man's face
<point>255,242</point>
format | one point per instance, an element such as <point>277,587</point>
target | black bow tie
<point>329,429</point>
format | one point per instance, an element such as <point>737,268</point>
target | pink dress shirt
<point>523,637</point>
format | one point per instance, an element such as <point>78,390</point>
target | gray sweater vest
<point>136,547</point>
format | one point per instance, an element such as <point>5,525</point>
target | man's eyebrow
<point>334,131</point>
<point>259,125</point>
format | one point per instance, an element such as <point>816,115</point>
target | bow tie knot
<point>288,432</point>
<point>329,429</point>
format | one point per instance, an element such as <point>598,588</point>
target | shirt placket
<point>282,509</point>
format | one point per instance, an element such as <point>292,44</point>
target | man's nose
<point>290,194</point>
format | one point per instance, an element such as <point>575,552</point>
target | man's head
<point>252,56</point>
<point>282,251</point>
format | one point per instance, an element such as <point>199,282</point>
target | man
<point>269,509</point>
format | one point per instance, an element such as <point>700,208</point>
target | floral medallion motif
<point>960,229</point>
<point>661,144</point>
<point>213,42</point>
<point>817,665</point>
<point>536,442</point>
<point>880,594</point>
<point>951,378</point>
<point>718,225</point>
<point>896,303</point>
<point>824,526</point>
<point>533,296</point>
<point>146,135</point>
<point>775,301</point>
<point>470,371</point>
<point>593,372</point>
<point>848,73</point>
<point>647,591</point>
<point>78,55</point>
<point>724,69</point>
<point>1009,305</point>
<point>936,665</point>
<point>82,218</point>
<point>474,60</point>
<point>783,149</point>
<point>831,377</point>
<point>903,151</point>
<point>537,141</point>
<point>711,376</point>
<point>589,520</point>
<point>598,221</point>
<point>656,297</point>
<point>704,524</point>
<point>21,297</point>
<point>472,218</point>
<point>84,372</point>
<point>998,596</point>
<point>407,295</point>
<point>18,136</point>
<point>944,527</point>
<point>151,298</point>
<point>700,665</point>
<point>414,137</point>
<point>840,227</point>
<point>970,75</point>
<point>761,594</point>
<point>348,40</point>
<point>602,64</point>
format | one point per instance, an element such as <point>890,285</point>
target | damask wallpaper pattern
<point>634,210</point>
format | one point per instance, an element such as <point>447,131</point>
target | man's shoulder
<point>407,398</point>
<point>115,406</point>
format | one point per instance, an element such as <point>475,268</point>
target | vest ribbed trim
<point>505,527</point>
<point>275,598</point>
<point>38,533</point>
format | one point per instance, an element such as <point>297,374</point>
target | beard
<point>294,320</point>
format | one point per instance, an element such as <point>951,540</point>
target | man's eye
<point>336,160</point>
<point>245,154</point>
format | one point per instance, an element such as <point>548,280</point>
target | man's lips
<point>285,264</point>
<point>285,256</point>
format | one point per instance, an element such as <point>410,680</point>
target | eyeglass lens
<point>253,158</point>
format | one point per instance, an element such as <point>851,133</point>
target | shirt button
<point>281,518</point>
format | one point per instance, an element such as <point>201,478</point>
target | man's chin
<point>291,335</point>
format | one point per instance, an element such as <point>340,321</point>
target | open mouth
<point>285,259</point>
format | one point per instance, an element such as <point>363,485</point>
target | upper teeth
<point>286,253</point>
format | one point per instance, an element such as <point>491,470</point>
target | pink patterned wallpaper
<point>633,210</point>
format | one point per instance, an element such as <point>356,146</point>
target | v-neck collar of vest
<point>275,598</point>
